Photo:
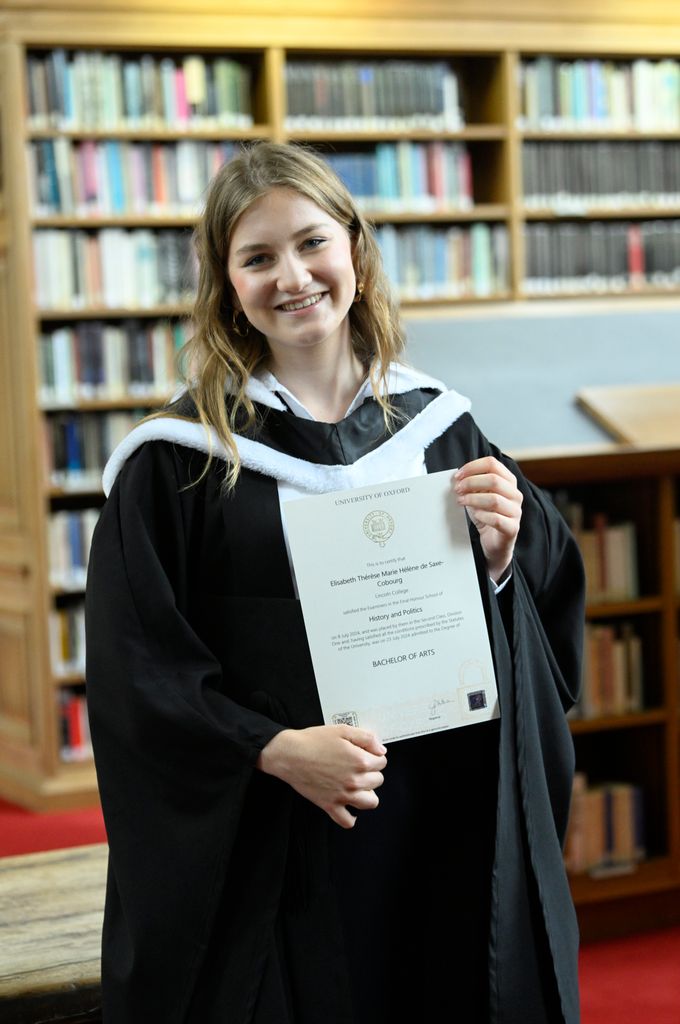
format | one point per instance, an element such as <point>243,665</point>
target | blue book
<point>114,168</point>
<point>440,261</point>
<point>58,59</point>
<point>133,91</point>
<point>75,540</point>
<point>388,171</point>
<point>73,445</point>
<point>599,101</point>
<point>369,176</point>
<point>53,194</point>
<point>580,93</point>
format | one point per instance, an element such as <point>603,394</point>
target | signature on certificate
<point>437,703</point>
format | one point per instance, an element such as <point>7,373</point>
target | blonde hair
<point>217,357</point>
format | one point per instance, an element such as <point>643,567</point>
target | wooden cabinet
<point>639,747</point>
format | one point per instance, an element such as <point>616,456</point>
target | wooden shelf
<point>86,491</point>
<point>598,135</point>
<point>74,591</point>
<point>92,221</point>
<point>649,876</point>
<point>106,404</point>
<point>629,721</point>
<point>616,609</point>
<point>601,213</point>
<point>184,133</point>
<point>605,293</point>
<point>470,133</point>
<point>482,211</point>
<point>459,300</point>
<point>108,313</point>
<point>71,679</point>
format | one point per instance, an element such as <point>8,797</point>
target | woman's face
<point>290,266</point>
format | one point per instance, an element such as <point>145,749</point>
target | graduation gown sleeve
<point>174,752</point>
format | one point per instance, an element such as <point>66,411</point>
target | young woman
<point>266,868</point>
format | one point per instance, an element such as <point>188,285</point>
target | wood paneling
<point>622,12</point>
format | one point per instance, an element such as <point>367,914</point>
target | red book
<point>465,172</point>
<point>181,105</point>
<point>75,735</point>
<point>436,183</point>
<point>160,191</point>
<point>636,255</point>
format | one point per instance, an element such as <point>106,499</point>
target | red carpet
<point>25,832</point>
<point>632,981</point>
<point>628,981</point>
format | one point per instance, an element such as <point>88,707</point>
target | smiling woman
<point>293,277</point>
<point>256,874</point>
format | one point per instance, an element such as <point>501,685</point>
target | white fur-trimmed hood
<point>415,436</point>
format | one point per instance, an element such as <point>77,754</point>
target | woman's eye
<point>312,243</point>
<point>255,261</point>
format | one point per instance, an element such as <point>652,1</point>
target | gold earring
<point>236,326</point>
<point>359,292</point>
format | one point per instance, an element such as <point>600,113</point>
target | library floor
<point>630,981</point>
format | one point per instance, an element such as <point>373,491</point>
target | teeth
<point>311,301</point>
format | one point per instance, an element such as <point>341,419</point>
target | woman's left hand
<point>489,492</point>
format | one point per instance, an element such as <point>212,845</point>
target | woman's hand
<point>331,765</point>
<point>489,493</point>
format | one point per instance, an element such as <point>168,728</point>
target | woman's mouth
<point>292,307</point>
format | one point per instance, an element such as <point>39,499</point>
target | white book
<point>63,358</point>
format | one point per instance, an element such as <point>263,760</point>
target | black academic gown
<point>232,899</point>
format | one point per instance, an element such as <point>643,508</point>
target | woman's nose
<point>294,276</point>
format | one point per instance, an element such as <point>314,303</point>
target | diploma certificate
<point>392,608</point>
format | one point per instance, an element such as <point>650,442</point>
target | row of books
<point>67,639</point>
<point>76,446</point>
<point>96,360</point>
<point>74,726</point>
<point>606,828</point>
<point>612,671</point>
<point>372,94</point>
<point>91,178</point>
<point>69,535</point>
<point>112,177</point>
<point>113,268</point>
<point>408,176</point>
<point>84,89</point>
<point>431,262</point>
<point>600,94</point>
<point>571,177</point>
<point>597,256</point>
<point>609,550</point>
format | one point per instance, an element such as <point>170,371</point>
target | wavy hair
<point>217,358</point>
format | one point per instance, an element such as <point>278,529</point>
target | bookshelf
<point>639,747</point>
<point>476,163</point>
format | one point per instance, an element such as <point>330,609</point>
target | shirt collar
<point>401,378</point>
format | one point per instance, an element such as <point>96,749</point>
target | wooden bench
<point>51,909</point>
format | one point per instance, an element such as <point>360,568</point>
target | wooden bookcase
<point>640,748</point>
<point>486,45</point>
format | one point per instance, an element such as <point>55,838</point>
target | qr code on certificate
<point>346,718</point>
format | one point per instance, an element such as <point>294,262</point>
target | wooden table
<point>644,415</point>
<point>51,909</point>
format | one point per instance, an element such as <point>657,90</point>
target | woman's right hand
<point>332,765</point>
